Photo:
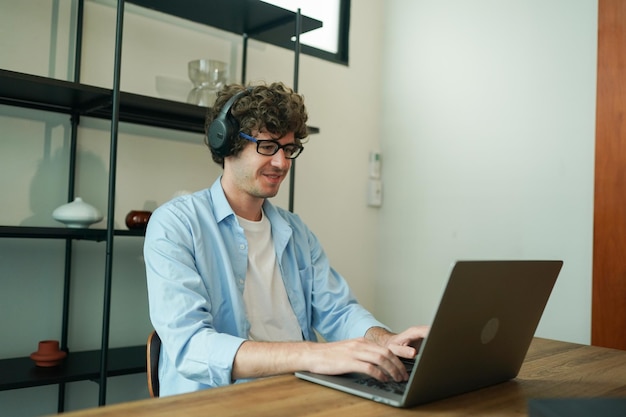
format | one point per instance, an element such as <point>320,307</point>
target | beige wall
<point>488,114</point>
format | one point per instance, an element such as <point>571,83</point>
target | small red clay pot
<point>48,354</point>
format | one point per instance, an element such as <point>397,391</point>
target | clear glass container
<point>208,77</point>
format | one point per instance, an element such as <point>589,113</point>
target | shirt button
<point>242,246</point>
<point>241,282</point>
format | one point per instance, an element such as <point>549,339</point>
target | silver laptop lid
<point>485,322</point>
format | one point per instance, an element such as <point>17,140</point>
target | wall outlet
<point>374,193</point>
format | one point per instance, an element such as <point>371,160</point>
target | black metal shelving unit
<point>49,94</point>
<point>96,235</point>
<point>41,93</point>
<point>248,18</point>
<point>78,366</point>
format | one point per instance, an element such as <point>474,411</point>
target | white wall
<point>488,148</point>
<point>483,111</point>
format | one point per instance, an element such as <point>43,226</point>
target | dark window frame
<point>343,39</point>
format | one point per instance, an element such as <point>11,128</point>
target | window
<point>329,42</point>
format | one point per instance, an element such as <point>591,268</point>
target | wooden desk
<point>551,369</point>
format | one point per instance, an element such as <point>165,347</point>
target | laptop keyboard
<point>389,386</point>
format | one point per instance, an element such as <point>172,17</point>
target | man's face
<point>258,175</point>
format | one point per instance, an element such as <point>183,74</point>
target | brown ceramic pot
<point>138,219</point>
<point>48,354</point>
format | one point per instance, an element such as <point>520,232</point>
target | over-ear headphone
<point>224,129</point>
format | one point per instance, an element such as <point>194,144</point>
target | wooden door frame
<point>608,312</point>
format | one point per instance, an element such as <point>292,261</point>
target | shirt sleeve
<point>180,303</point>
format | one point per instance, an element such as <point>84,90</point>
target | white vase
<point>77,214</point>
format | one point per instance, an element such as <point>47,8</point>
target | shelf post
<point>115,115</point>
<point>296,71</point>
<point>67,280</point>
<point>244,58</point>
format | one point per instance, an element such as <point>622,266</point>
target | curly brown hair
<point>275,108</point>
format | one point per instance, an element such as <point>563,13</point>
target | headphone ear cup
<point>223,129</point>
<point>220,132</point>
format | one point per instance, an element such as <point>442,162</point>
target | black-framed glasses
<point>270,147</point>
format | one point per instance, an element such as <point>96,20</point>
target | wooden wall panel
<point>608,327</point>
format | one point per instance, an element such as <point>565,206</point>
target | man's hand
<point>356,355</point>
<point>405,344</point>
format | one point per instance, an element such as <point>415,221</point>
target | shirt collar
<point>221,208</point>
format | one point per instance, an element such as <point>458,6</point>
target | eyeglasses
<point>271,147</point>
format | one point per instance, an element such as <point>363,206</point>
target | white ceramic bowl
<point>77,214</point>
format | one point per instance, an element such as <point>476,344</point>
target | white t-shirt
<point>267,305</point>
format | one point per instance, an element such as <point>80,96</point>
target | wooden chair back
<point>153,350</point>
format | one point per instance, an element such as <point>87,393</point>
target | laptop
<point>480,335</point>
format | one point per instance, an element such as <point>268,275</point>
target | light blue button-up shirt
<point>196,258</point>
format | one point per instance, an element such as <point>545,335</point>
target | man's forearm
<point>260,359</point>
<point>378,335</point>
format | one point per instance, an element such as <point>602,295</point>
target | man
<point>237,287</point>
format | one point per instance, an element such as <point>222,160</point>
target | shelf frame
<point>77,366</point>
<point>59,96</point>
<point>261,21</point>
<point>253,18</point>
<point>95,235</point>
<point>67,97</point>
